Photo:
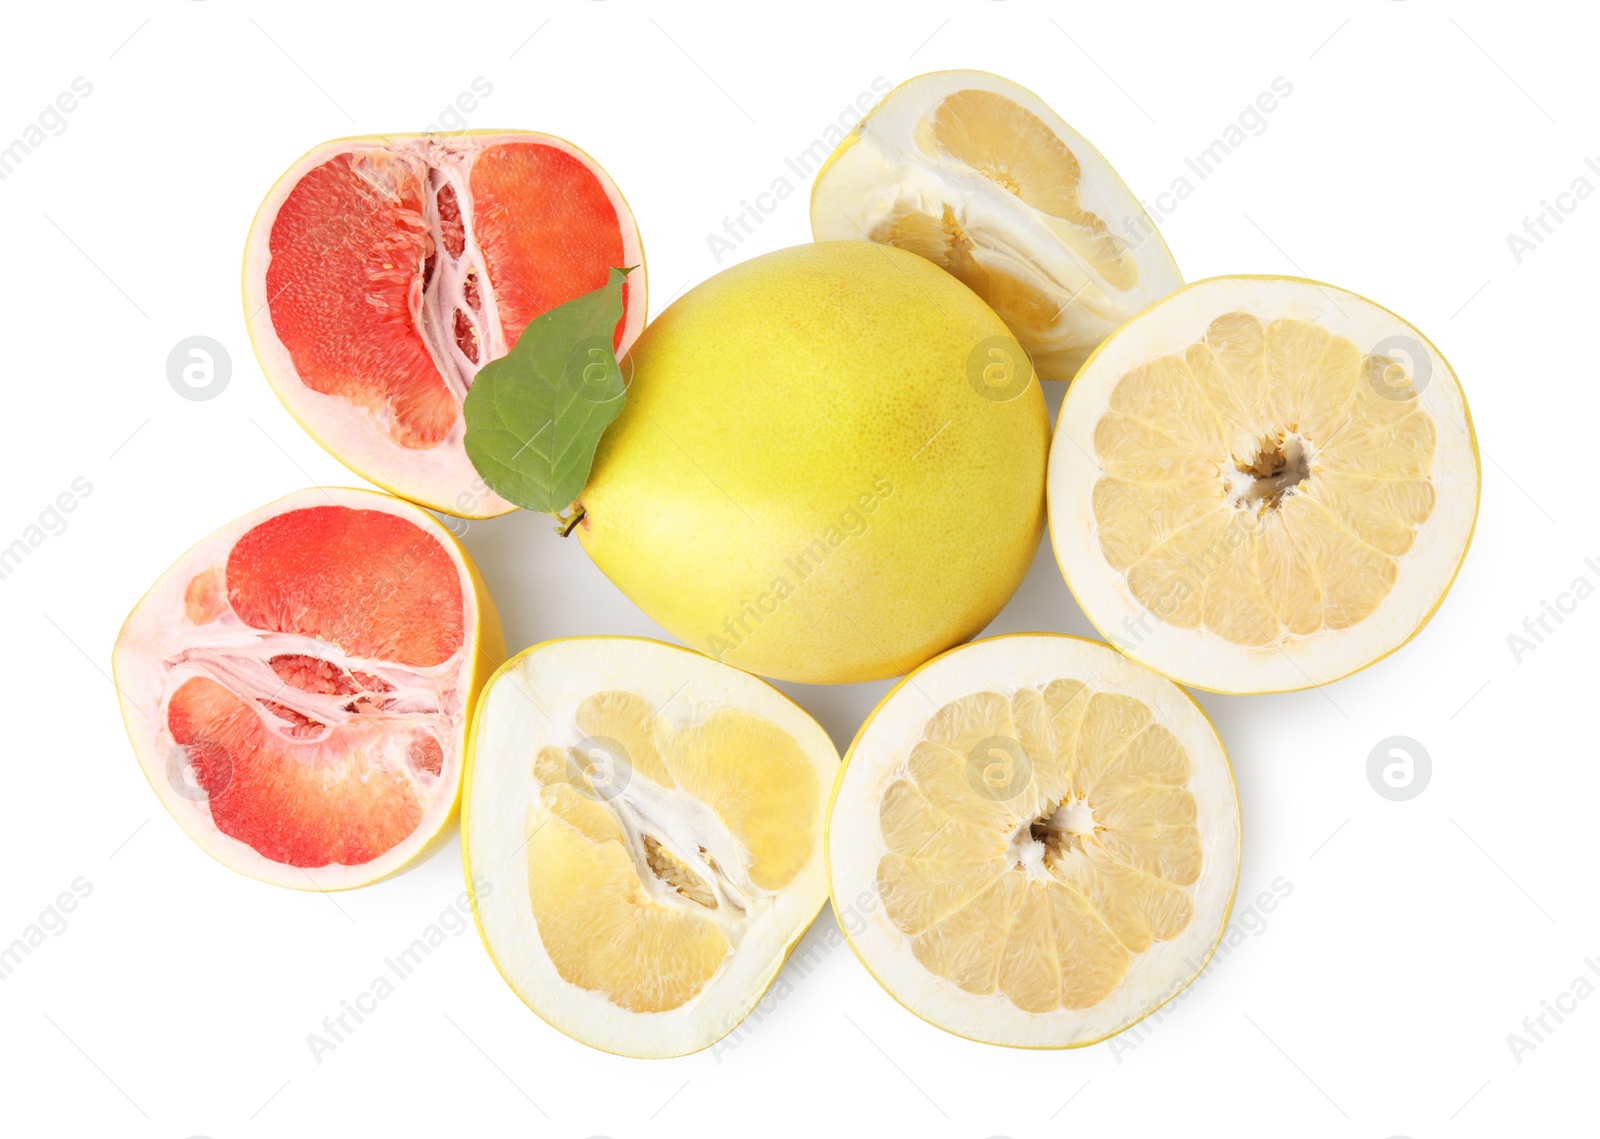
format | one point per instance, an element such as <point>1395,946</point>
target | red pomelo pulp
<point>298,686</point>
<point>382,273</point>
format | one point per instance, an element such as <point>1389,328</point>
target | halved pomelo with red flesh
<point>382,273</point>
<point>298,686</point>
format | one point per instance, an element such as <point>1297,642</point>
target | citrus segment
<point>603,931</point>
<point>356,792</point>
<point>1266,464</point>
<point>382,273</point>
<point>297,686</point>
<point>979,176</point>
<point>398,599</point>
<point>1017,150</point>
<point>643,832</point>
<point>1055,851</point>
<point>549,230</point>
<point>346,244</point>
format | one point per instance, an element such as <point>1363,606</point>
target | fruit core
<point>1051,837</point>
<point>1280,464</point>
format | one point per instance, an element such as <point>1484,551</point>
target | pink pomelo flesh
<point>385,272</point>
<point>309,678</point>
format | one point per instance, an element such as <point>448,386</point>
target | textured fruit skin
<point>809,479</point>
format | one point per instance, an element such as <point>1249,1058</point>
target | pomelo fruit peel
<point>829,467</point>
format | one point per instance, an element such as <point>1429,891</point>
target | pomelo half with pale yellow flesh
<point>382,273</point>
<point>1051,834</point>
<point>1262,484</point>
<point>298,686</point>
<point>978,175</point>
<point>642,831</point>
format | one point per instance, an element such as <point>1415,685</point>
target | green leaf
<point>535,416</point>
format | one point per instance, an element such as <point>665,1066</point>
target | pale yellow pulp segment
<point>1265,453</point>
<point>977,175</point>
<point>1039,842</point>
<point>631,883</point>
<point>1017,151</point>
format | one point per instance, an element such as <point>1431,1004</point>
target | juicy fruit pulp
<point>829,467</point>
<point>642,894</point>
<point>1054,846</point>
<point>642,875</point>
<point>298,686</point>
<point>1372,455</point>
<point>383,273</point>
<point>976,174</point>
<point>1078,869</point>
<point>1267,475</point>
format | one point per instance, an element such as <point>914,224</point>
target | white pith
<point>440,477</point>
<point>530,704</point>
<point>237,656</point>
<point>159,649</point>
<point>697,837</point>
<point>446,294</point>
<point>885,172</point>
<point>878,758</point>
<point>1290,662</point>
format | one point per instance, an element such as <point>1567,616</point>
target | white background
<point>1377,998</point>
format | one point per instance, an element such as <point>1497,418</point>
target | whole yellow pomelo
<point>830,466</point>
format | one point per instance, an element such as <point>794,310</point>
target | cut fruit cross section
<point>976,174</point>
<point>642,831</point>
<point>1054,848</point>
<point>298,686</point>
<point>1262,484</point>
<point>381,274</point>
